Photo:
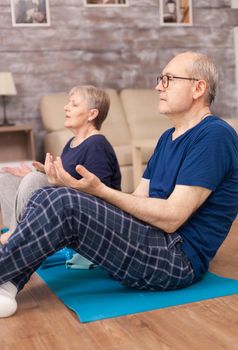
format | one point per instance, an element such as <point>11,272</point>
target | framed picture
<point>234,4</point>
<point>105,2</point>
<point>30,13</point>
<point>176,12</point>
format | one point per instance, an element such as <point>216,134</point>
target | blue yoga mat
<point>93,295</point>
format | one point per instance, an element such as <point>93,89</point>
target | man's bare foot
<point>4,237</point>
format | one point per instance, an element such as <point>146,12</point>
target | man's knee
<point>54,194</point>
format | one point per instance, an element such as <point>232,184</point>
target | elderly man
<point>162,236</point>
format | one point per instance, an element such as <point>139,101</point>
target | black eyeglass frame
<point>170,77</point>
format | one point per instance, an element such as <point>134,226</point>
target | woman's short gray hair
<point>95,98</point>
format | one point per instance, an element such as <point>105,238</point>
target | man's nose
<point>159,86</point>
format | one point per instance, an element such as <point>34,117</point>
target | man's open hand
<point>51,172</point>
<point>89,183</point>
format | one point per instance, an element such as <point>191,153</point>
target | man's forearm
<point>166,214</point>
<point>154,211</point>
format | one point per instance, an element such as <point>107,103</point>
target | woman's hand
<point>89,183</point>
<point>38,166</point>
<point>20,171</point>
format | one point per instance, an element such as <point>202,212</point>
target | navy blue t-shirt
<point>97,155</point>
<point>206,156</point>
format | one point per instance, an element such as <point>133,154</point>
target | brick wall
<point>111,47</point>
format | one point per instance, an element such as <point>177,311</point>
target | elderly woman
<point>84,114</point>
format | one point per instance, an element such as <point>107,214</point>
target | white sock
<point>8,304</point>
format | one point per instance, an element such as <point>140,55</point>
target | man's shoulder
<point>217,123</point>
<point>214,126</point>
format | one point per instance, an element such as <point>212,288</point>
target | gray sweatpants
<point>15,192</point>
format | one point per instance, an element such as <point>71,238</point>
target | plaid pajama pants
<point>138,255</point>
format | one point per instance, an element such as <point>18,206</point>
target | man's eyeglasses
<point>167,78</point>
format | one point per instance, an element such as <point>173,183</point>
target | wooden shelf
<point>16,143</point>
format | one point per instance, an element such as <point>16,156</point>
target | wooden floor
<point>44,323</point>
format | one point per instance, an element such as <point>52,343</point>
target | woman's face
<point>76,112</point>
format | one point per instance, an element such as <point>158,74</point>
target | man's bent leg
<point>136,254</point>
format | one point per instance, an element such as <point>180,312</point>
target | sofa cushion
<point>52,110</point>
<point>141,109</point>
<point>115,127</point>
<point>56,140</point>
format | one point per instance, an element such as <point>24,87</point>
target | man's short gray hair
<point>203,67</point>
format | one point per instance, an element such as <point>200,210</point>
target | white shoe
<point>8,304</point>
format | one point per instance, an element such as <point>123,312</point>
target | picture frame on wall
<point>30,13</point>
<point>234,4</point>
<point>176,12</point>
<point>106,3</point>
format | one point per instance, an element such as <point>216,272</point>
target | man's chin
<point>163,111</point>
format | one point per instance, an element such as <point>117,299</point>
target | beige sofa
<point>133,116</point>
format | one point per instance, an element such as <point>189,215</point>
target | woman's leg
<point>29,184</point>
<point>8,187</point>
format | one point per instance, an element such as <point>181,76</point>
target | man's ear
<point>199,89</point>
<point>93,113</point>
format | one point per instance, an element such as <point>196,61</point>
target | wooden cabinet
<point>16,143</point>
